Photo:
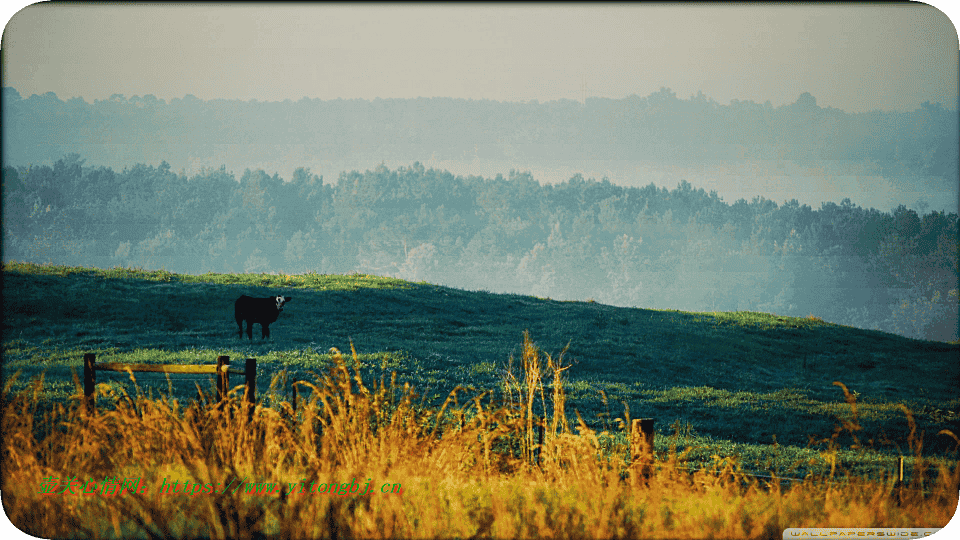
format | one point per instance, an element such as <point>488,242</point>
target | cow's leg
<point>240,324</point>
<point>250,329</point>
<point>265,327</point>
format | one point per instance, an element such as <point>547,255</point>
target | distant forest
<point>580,239</point>
<point>123,131</point>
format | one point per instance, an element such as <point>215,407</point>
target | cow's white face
<point>281,300</point>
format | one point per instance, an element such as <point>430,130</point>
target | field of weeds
<point>365,459</point>
<point>442,422</point>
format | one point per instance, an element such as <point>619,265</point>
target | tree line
<point>580,239</point>
<point>124,131</point>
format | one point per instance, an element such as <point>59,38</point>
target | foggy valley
<point>656,202</point>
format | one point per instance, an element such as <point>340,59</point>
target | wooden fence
<point>222,369</point>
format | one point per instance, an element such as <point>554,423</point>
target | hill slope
<point>731,377</point>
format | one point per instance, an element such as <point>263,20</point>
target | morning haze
<point>854,58</point>
<point>789,159</point>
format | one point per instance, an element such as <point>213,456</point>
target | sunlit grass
<point>306,280</point>
<point>749,387</point>
<point>474,467</point>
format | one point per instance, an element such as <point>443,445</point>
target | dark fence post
<point>250,368</point>
<point>89,380</point>
<point>250,394</point>
<point>537,456</point>
<point>898,485</point>
<point>293,398</point>
<point>223,377</point>
<point>641,444</point>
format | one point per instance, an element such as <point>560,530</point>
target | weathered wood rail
<point>222,369</point>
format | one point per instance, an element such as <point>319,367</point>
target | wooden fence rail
<point>222,369</point>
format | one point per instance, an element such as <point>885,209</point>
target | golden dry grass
<point>468,470</point>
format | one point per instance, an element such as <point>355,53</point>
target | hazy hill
<point>330,136</point>
<point>681,248</point>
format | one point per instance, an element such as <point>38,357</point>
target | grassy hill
<point>727,384</point>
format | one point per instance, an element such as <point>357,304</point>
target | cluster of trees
<point>580,239</point>
<point>124,131</point>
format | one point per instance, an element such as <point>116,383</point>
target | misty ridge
<point>278,136</point>
<point>577,239</point>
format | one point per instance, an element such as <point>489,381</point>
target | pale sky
<point>856,58</point>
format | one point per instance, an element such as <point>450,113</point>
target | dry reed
<point>460,471</point>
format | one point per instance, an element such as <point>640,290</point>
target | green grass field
<point>754,386</point>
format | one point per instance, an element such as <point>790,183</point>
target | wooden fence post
<point>641,445</point>
<point>293,388</point>
<point>898,485</point>
<point>250,368</point>
<point>89,380</point>
<point>223,377</point>
<point>250,393</point>
<point>537,456</point>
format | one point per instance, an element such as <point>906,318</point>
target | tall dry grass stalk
<point>459,471</point>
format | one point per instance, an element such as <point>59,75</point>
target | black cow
<point>258,310</point>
